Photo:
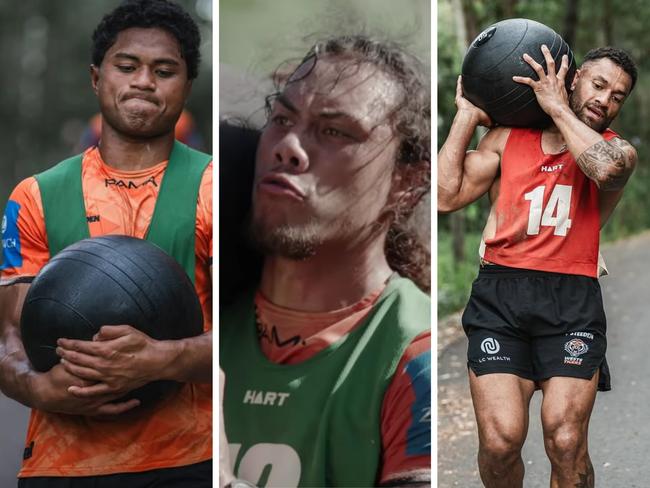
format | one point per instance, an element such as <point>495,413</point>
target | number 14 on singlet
<point>554,214</point>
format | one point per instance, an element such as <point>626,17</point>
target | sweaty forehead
<point>343,84</point>
<point>146,40</point>
<point>610,71</point>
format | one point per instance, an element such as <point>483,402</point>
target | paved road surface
<point>619,435</point>
<point>13,426</point>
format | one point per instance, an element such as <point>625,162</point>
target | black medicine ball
<point>109,280</point>
<point>496,55</point>
<point>241,265</point>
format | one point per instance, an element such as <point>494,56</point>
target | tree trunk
<point>607,22</point>
<point>505,9</point>
<point>465,15</point>
<point>571,21</point>
<point>466,30</point>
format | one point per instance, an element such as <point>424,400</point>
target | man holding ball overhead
<point>82,432</point>
<point>535,317</point>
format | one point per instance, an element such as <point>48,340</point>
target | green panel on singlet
<point>173,223</point>
<point>316,423</point>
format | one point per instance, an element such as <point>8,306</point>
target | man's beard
<point>297,242</point>
<point>578,108</point>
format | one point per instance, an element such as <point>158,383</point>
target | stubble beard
<point>291,241</point>
<point>141,122</point>
<point>579,109</point>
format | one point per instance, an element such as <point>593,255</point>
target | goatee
<point>288,241</point>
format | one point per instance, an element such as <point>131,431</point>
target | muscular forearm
<point>452,155</point>
<point>605,164</point>
<point>189,360</point>
<point>602,161</point>
<point>16,373</point>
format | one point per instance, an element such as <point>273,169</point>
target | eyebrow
<point>132,57</point>
<point>284,101</point>
<point>326,113</point>
<point>603,80</point>
<point>337,114</point>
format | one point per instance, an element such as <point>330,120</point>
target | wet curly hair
<point>161,14</point>
<point>411,122</point>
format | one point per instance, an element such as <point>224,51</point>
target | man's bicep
<point>480,169</point>
<point>607,201</point>
<point>12,298</point>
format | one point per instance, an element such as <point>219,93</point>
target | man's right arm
<point>464,176</point>
<point>42,391</point>
<point>15,370</point>
<point>18,380</point>
<point>24,253</point>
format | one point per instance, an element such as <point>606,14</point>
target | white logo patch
<point>4,223</point>
<point>576,347</point>
<point>551,168</point>
<point>490,346</point>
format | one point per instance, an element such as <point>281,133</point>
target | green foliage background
<point>597,23</point>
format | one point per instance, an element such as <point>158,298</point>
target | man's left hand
<point>120,358</point>
<point>549,89</point>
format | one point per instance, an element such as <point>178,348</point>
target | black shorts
<point>197,475</point>
<point>536,325</point>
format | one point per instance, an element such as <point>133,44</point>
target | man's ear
<point>94,77</point>
<point>575,79</point>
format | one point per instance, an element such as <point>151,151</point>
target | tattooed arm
<point>610,196</point>
<point>608,163</point>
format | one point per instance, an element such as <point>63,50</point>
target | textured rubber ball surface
<point>496,55</point>
<point>109,280</point>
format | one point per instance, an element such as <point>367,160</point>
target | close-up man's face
<point>325,159</point>
<point>142,82</point>
<point>599,90</point>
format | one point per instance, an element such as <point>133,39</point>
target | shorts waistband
<point>491,270</point>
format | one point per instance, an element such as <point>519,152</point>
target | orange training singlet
<point>176,432</point>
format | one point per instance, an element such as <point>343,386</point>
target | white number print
<point>282,460</point>
<point>556,212</point>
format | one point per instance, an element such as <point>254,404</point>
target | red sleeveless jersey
<point>547,214</point>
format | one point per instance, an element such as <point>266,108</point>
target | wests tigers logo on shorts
<point>575,347</point>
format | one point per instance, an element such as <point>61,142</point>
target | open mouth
<point>595,113</point>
